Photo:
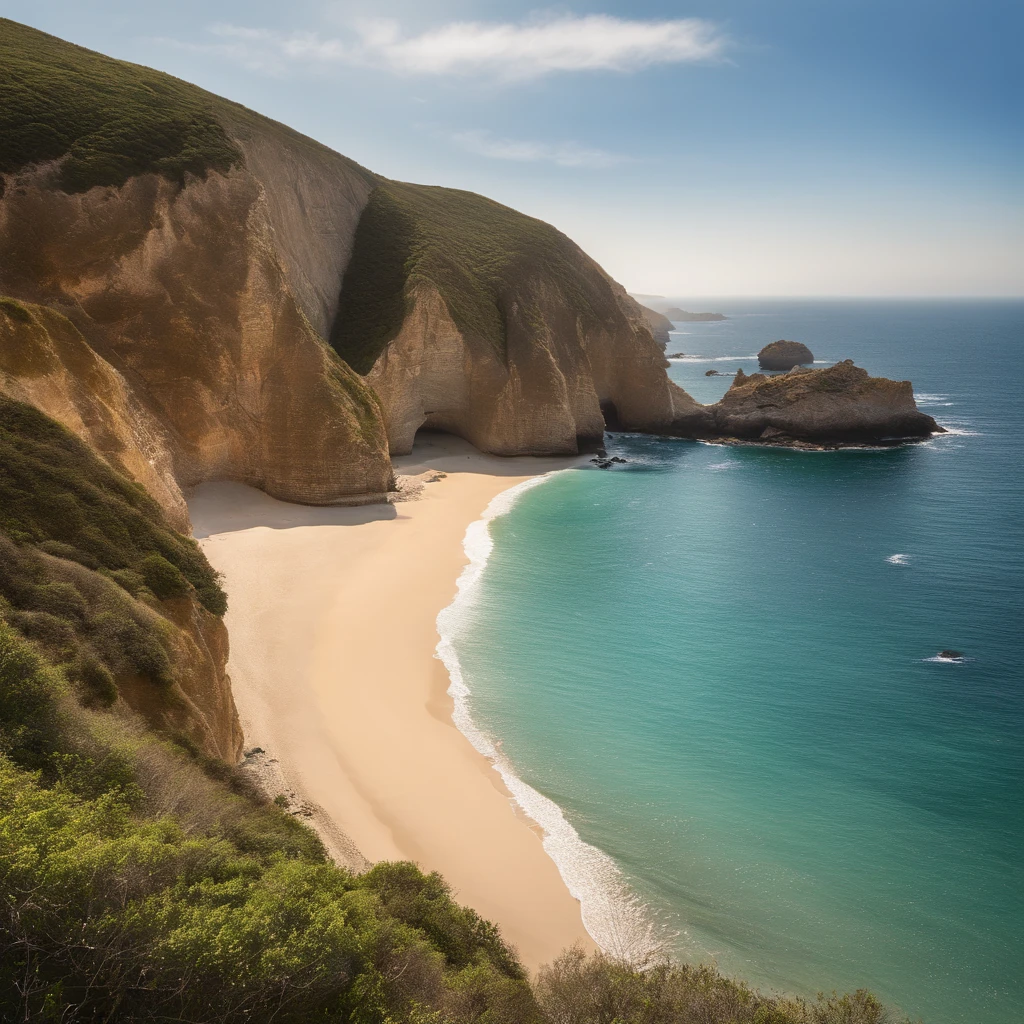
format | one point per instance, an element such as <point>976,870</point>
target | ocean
<point>711,674</point>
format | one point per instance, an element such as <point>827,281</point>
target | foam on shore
<point>614,916</point>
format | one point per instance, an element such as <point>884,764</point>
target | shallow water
<point>721,664</point>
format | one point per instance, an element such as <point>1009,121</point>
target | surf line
<point>614,916</point>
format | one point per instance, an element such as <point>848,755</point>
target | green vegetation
<point>86,558</point>
<point>483,258</point>
<point>55,493</point>
<point>135,887</point>
<point>111,120</point>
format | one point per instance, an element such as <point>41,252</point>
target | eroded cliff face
<point>46,362</point>
<point>204,301</point>
<point>553,390</point>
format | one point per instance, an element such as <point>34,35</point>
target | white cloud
<point>564,154</point>
<point>505,50</point>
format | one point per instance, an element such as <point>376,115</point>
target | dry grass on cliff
<point>484,258</point>
<point>111,119</point>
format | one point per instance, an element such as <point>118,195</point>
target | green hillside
<point>483,257</point>
<point>114,120</point>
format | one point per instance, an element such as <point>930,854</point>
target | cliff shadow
<point>227,507</point>
<point>439,450</point>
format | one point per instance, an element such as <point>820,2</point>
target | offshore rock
<point>837,406</point>
<point>784,355</point>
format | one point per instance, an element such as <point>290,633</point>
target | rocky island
<point>833,407</point>
<point>784,355</point>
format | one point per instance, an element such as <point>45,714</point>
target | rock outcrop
<point>836,406</point>
<point>784,355</point>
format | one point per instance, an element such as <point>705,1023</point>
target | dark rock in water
<point>950,654</point>
<point>602,452</point>
<point>615,458</point>
<point>712,373</point>
<point>602,463</point>
<point>784,355</point>
<point>676,355</point>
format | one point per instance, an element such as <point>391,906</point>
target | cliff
<point>659,324</point>
<point>197,250</point>
<point>469,317</point>
<point>92,573</point>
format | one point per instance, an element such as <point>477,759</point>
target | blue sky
<point>739,147</point>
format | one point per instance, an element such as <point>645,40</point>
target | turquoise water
<point>711,661</point>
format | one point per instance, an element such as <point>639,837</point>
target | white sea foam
<point>719,466</point>
<point>615,917</point>
<point>929,400</point>
<point>947,661</point>
<point>898,559</point>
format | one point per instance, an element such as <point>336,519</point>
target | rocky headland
<point>784,355</point>
<point>683,316</point>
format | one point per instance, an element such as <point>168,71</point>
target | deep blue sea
<point>718,661</point>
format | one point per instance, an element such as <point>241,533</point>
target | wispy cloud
<point>564,154</point>
<point>511,51</point>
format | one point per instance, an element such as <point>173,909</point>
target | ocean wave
<point>947,661</point>
<point>933,401</point>
<point>614,916</point>
<point>719,466</point>
<point>898,559</point>
<point>954,431</point>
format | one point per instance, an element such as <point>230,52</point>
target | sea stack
<point>784,355</point>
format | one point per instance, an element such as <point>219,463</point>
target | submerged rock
<point>952,655</point>
<point>784,355</point>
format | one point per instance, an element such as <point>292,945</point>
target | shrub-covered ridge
<point>111,120</point>
<point>476,252</point>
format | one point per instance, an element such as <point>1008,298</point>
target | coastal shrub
<point>108,120</point>
<point>55,490</point>
<point>135,885</point>
<point>577,989</point>
<point>162,578</point>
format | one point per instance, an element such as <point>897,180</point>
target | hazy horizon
<point>714,148</point>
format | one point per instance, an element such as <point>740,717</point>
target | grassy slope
<point>113,119</point>
<point>479,254</point>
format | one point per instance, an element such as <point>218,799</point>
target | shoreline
<point>333,616</point>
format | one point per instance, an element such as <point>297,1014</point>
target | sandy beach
<point>332,619</point>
